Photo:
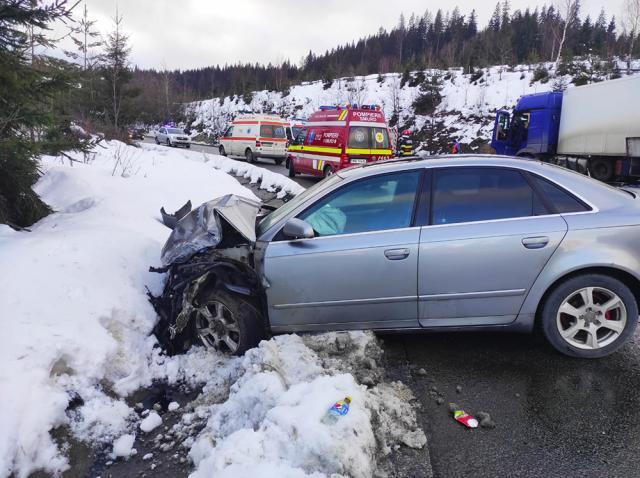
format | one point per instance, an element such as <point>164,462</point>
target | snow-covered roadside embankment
<point>76,324</point>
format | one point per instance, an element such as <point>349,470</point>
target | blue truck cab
<point>532,129</point>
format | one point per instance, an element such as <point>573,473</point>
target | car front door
<point>489,237</point>
<point>162,137</point>
<point>360,269</point>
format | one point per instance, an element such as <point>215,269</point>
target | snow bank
<point>72,295</point>
<point>77,321</point>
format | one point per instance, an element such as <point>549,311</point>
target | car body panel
<point>309,283</point>
<point>482,270</point>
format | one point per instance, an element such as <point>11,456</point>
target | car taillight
<point>258,144</point>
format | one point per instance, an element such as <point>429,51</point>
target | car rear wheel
<point>248,154</point>
<point>227,323</point>
<point>188,146</point>
<point>589,316</point>
<point>292,169</point>
<point>222,151</point>
<point>278,161</point>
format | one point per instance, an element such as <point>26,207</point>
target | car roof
<point>598,195</point>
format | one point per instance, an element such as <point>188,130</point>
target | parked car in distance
<point>451,243</point>
<point>136,133</point>
<point>172,137</point>
<point>255,136</point>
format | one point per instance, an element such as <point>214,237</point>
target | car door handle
<point>535,242</point>
<point>396,254</point>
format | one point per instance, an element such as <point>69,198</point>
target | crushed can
<point>463,417</point>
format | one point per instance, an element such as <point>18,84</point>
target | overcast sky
<point>195,33</point>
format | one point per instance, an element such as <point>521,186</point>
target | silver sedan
<point>454,243</point>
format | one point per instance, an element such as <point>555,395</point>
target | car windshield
<point>175,131</point>
<point>272,131</point>
<point>271,219</point>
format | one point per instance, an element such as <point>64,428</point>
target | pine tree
<point>116,72</point>
<point>32,87</point>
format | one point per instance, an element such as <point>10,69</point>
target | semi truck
<point>594,128</point>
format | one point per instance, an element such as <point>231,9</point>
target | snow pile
<point>75,317</point>
<point>76,324</point>
<point>270,422</point>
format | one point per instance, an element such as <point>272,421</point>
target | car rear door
<point>360,271</point>
<point>488,238</point>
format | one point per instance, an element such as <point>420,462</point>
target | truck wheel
<point>292,169</point>
<point>222,151</point>
<point>227,323</point>
<point>601,169</point>
<point>589,316</point>
<point>327,171</point>
<point>248,154</point>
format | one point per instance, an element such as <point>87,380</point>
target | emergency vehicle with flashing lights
<point>338,137</point>
<point>255,136</point>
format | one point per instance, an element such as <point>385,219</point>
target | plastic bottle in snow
<point>338,409</point>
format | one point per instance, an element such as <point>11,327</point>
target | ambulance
<point>256,136</point>
<point>338,137</point>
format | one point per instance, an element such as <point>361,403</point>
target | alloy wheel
<point>217,327</point>
<point>591,318</point>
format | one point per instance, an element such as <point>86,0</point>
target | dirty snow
<point>77,324</point>
<point>123,446</point>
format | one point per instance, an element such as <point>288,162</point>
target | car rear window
<point>481,194</point>
<point>563,201</point>
<point>368,137</point>
<point>272,131</point>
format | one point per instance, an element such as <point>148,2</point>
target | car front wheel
<point>227,323</point>
<point>590,316</point>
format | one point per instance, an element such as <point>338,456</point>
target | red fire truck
<point>338,137</point>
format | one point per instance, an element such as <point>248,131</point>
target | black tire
<point>188,146</point>
<point>601,169</point>
<point>567,289</point>
<point>157,142</point>
<point>278,161</point>
<point>248,154</point>
<point>292,169</point>
<point>249,322</point>
<point>327,171</point>
<point>222,151</point>
<point>169,142</point>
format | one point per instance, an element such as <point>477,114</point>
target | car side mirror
<point>298,229</point>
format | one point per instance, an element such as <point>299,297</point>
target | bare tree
<point>631,25</point>
<point>568,11</point>
<point>117,72</point>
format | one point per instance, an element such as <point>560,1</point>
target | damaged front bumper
<point>211,246</point>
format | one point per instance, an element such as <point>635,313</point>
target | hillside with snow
<point>464,110</point>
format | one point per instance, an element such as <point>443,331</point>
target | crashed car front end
<point>210,246</point>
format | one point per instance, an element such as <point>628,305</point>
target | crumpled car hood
<point>202,228</point>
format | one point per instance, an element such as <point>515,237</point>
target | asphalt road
<point>554,416</point>
<point>304,181</point>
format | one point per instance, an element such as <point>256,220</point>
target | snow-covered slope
<point>76,338</point>
<point>466,111</point>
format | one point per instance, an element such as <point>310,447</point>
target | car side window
<point>374,204</point>
<point>482,194</point>
<point>561,199</point>
<point>229,132</point>
<point>162,130</point>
